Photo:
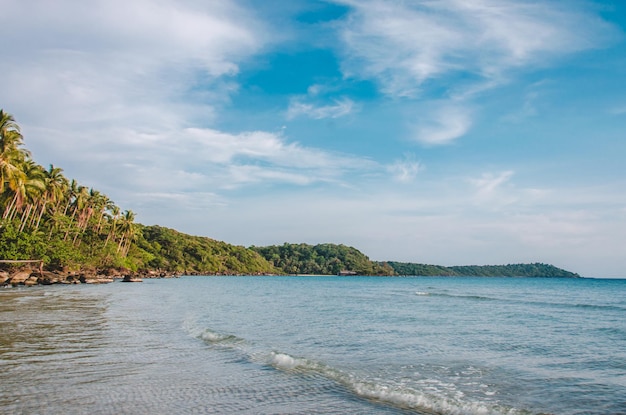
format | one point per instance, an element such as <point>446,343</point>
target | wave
<point>531,302</point>
<point>395,395</point>
<point>213,337</point>
<point>382,392</point>
<point>470,297</point>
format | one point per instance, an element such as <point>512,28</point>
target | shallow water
<point>307,345</point>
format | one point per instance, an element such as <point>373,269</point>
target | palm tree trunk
<point>43,208</point>
<point>8,209</point>
<point>25,216</point>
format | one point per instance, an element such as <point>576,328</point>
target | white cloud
<point>339,108</point>
<point>406,169</point>
<point>194,158</point>
<point>488,186</point>
<point>404,44</point>
<point>443,124</point>
<point>145,63</point>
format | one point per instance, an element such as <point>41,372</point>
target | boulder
<point>30,281</point>
<point>19,277</point>
<point>4,277</point>
<point>92,278</point>
<point>49,278</point>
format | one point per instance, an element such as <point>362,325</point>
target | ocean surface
<point>316,345</point>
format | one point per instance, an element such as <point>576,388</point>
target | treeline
<point>511,270</point>
<point>322,259</point>
<point>48,217</point>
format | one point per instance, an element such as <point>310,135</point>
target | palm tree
<point>55,184</point>
<point>11,153</point>
<point>115,213</point>
<point>82,208</point>
<point>27,184</point>
<point>127,227</point>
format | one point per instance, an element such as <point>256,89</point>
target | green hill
<point>511,270</point>
<point>166,249</point>
<point>322,259</point>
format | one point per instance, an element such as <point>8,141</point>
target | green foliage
<point>323,259</point>
<point>511,270</point>
<point>169,250</point>
<point>514,270</point>
<point>423,270</point>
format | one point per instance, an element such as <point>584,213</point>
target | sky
<point>450,132</point>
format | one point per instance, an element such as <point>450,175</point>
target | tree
<point>11,153</point>
<point>127,229</point>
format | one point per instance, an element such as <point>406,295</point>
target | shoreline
<point>34,277</point>
<point>31,277</point>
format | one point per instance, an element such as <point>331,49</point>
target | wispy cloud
<point>443,125</point>
<point>406,169</point>
<point>487,187</point>
<point>404,44</point>
<point>339,108</point>
<point>197,158</point>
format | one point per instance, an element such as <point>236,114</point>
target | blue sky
<point>445,132</point>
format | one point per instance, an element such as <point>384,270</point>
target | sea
<point>316,345</point>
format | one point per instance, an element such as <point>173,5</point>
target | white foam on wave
<point>396,395</point>
<point>422,293</point>
<point>284,361</point>
<point>213,337</point>
<point>424,402</point>
<point>210,336</point>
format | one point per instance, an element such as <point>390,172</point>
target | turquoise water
<point>316,345</point>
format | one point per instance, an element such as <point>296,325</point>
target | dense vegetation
<point>166,249</point>
<point>323,259</point>
<point>511,270</point>
<point>48,217</point>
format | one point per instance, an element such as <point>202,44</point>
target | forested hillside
<point>511,270</point>
<point>166,249</point>
<point>323,259</point>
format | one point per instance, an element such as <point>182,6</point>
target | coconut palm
<point>115,214</point>
<point>11,153</point>
<point>127,228</point>
<point>27,184</point>
<point>55,184</point>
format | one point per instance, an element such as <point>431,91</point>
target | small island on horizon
<point>54,230</point>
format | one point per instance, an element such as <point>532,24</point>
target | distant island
<point>55,230</point>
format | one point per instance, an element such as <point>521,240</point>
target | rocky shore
<point>33,276</point>
<point>30,277</point>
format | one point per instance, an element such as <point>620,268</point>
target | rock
<point>49,278</point>
<point>19,277</point>
<point>130,278</point>
<point>91,278</point>
<point>103,279</point>
<point>32,280</point>
<point>72,279</point>
<point>4,277</point>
